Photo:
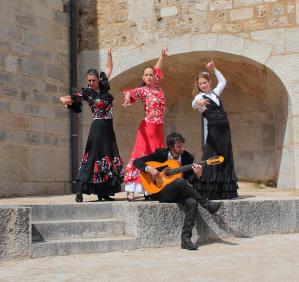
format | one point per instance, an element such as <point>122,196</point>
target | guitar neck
<point>183,168</point>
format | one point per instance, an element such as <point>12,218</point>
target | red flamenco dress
<point>150,134</point>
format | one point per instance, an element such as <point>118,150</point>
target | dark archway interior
<point>254,98</point>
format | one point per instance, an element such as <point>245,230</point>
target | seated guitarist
<point>180,190</point>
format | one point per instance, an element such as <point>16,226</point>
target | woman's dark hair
<point>204,75</point>
<point>174,138</point>
<point>93,72</point>
<point>147,67</point>
<point>104,85</point>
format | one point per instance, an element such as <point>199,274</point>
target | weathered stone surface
<point>241,14</point>
<point>257,51</point>
<point>34,35</point>
<point>15,232</point>
<point>275,38</point>
<point>169,11</point>
<point>292,41</point>
<point>155,225</point>
<point>221,5</point>
<point>230,44</point>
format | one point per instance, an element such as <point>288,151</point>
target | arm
<point>72,102</point>
<point>109,63</point>
<point>221,82</point>
<point>199,103</point>
<point>130,95</point>
<point>140,162</point>
<point>220,78</point>
<point>159,63</point>
<point>193,175</point>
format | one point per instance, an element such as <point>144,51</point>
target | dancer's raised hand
<point>211,65</point>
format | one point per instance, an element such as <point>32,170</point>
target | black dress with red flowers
<point>101,167</point>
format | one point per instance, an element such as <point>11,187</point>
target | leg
<point>79,197</point>
<point>189,191</point>
<point>190,206</point>
<point>179,190</point>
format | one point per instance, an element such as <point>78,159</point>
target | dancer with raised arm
<point>101,168</point>
<point>217,182</point>
<point>150,134</point>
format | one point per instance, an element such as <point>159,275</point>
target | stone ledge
<point>15,232</point>
<point>158,225</point>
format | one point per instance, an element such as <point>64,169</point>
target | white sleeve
<point>201,109</point>
<point>221,83</point>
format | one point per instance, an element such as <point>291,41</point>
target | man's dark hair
<point>174,138</point>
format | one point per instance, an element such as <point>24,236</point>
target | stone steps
<point>77,228</point>
<point>71,211</point>
<point>80,246</point>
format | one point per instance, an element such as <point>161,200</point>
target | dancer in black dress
<point>101,167</point>
<point>217,182</point>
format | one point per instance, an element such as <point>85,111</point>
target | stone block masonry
<point>34,73</point>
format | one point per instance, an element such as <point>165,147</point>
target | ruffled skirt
<point>101,167</point>
<point>218,181</point>
<point>150,136</point>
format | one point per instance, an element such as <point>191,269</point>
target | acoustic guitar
<point>168,172</point>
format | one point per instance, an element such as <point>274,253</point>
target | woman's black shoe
<point>79,198</point>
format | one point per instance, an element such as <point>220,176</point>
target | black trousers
<point>180,191</point>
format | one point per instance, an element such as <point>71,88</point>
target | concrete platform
<point>259,210</point>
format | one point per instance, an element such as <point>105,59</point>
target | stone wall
<point>255,44</point>
<point>130,22</point>
<point>34,73</point>
<point>15,234</point>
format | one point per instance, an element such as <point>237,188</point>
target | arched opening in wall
<point>255,99</point>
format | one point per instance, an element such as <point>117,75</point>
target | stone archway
<point>256,100</point>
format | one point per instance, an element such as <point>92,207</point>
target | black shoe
<point>79,198</point>
<point>99,198</point>
<point>213,207</point>
<point>188,245</point>
<point>109,199</point>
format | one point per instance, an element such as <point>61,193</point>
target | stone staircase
<point>77,228</point>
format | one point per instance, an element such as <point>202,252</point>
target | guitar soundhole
<point>167,172</point>
<point>158,181</point>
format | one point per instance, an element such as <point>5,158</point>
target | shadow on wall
<point>254,98</point>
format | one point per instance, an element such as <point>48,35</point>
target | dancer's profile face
<point>149,77</point>
<point>93,81</point>
<point>204,85</point>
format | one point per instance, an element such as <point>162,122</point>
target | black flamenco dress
<point>219,181</point>
<point>101,167</point>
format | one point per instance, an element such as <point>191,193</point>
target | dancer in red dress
<point>150,134</point>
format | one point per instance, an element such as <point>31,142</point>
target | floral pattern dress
<point>101,167</point>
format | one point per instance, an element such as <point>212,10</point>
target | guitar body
<point>156,185</point>
<point>168,172</point>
